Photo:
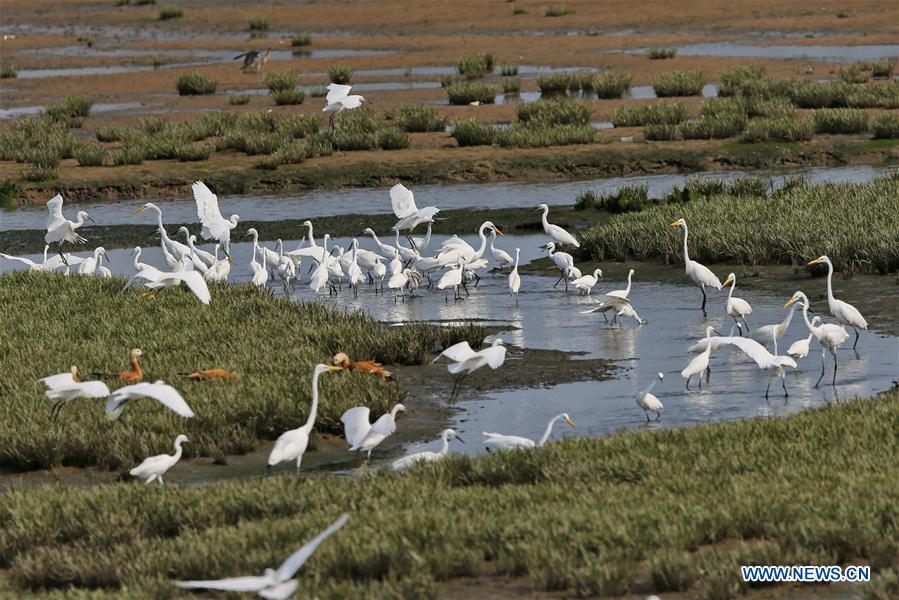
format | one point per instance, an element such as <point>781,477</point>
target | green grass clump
<point>627,198</point>
<point>258,23</point>
<point>418,118</point>
<point>300,40</point>
<point>20,138</point>
<point>238,99</point>
<point>195,83</point>
<point>475,66</point>
<point>860,72</point>
<point>298,126</point>
<point>287,97</point>
<point>41,163</point>
<point>168,13</point>
<point>661,53</point>
<point>277,81</point>
<point>511,86</point>
<point>519,10</point>
<point>540,134</point>
<point>886,126</point>
<point>89,154</point>
<point>558,10</point>
<point>8,71</point>
<point>471,132</point>
<point>662,132</point>
<point>71,110</point>
<point>840,120</point>
<point>611,84</point>
<point>192,152</point>
<point>883,67</point>
<point>357,130</point>
<point>732,81</point>
<point>340,74</point>
<point>790,227</point>
<point>678,83</point>
<point>393,138</point>
<point>509,70</point>
<point>466,92</point>
<point>719,118</point>
<point>555,111</point>
<point>555,83</point>
<point>660,113</point>
<point>836,95</point>
<point>782,129</point>
<point>673,571</point>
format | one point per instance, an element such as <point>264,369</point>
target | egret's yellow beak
<point>569,421</point>
<point>791,301</point>
<point>334,368</point>
<point>497,230</point>
<point>726,281</point>
<point>815,262</point>
<point>137,210</point>
<point>675,224</point>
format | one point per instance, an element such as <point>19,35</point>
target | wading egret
<point>563,261</point>
<point>421,244</point>
<point>648,401</point>
<point>219,270</point>
<point>627,310</point>
<point>699,274</point>
<point>68,386</point>
<point>215,226</point>
<point>398,282</point>
<point>799,349</point>
<point>773,333</point>
<point>199,257</point>
<point>61,231</point>
<point>737,308</point>
<point>46,265</point>
<point>369,367</point>
<point>427,455</point>
<point>339,100</point>
<point>514,277</point>
<point>260,274</point>
<point>365,436</point>
<point>386,249</point>
<point>843,312</point>
<point>273,584</point>
<point>457,250</point>
<point>210,375</point>
<point>154,467</point>
<point>498,441</point>
<point>699,363</point>
<point>558,235</point>
<point>172,250</point>
<point>502,258</point>
<point>410,216</point>
<point>466,361</point>
<point>585,284</point>
<point>775,365</point>
<point>291,445</point>
<point>159,391</point>
<point>380,271</point>
<point>132,375</point>
<point>830,336</point>
<point>617,296</point>
<point>717,341</point>
<point>452,279</point>
<point>90,265</point>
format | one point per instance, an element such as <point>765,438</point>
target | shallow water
<point>645,92</point>
<point>11,113</point>
<point>319,203</point>
<point>839,54</point>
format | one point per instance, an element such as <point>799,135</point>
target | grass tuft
<point>840,120</point>
<point>466,92</point>
<point>556,111</point>
<point>660,113</point>
<point>661,53</point>
<point>340,74</point>
<point>238,99</point>
<point>195,83</point>
<point>678,83</point>
<point>8,71</point>
<point>475,66</point>
<point>471,132</point>
<point>300,40</point>
<point>886,126</point>
<point>258,23</point>
<point>558,10</point>
<point>168,13</point>
<point>288,97</point>
<point>277,81</point>
<point>418,118</point>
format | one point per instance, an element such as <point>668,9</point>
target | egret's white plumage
<point>558,234</point>
<point>501,258</point>
<point>701,362</point>
<point>173,251</point>
<point>498,441</point>
<point>215,226</point>
<point>466,360</point>
<point>648,401</point>
<point>772,333</point>
<point>830,336</point>
<point>427,455</point>
<point>155,279</point>
<point>737,308</point>
<point>90,265</point>
<point>699,274</point>
<point>585,283</point>
<point>514,277</point>
<point>410,216</point>
<point>564,262</point>
<point>799,349</point>
<point>154,467</point>
<point>339,99</point>
<point>843,312</point>
<point>59,229</point>
<point>159,391</point>
<point>46,265</point>
<point>775,365</point>
<point>365,436</point>
<point>451,279</point>
<point>260,274</point>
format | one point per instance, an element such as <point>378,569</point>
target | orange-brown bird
<point>210,374</point>
<point>366,366</point>
<point>134,375</point>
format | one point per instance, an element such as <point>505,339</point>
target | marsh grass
<point>71,110</point>
<point>608,85</point>
<point>674,502</point>
<point>393,138</point>
<point>89,154</point>
<point>8,71</point>
<point>555,83</point>
<point>886,126</point>
<point>466,92</point>
<point>784,129</point>
<point>195,83</point>
<point>660,113</point>
<point>471,132</point>
<point>417,118</point>
<point>238,99</point>
<point>168,13</point>
<point>626,198</point>
<point>475,66</point>
<point>661,53</point>
<point>288,97</point>
<point>860,72</point>
<point>258,23</point>
<point>509,70</point>
<point>883,67</point>
<point>511,86</point>
<point>678,83</point>
<point>840,120</point>
<point>539,134</point>
<point>558,10</point>
<point>790,226</point>
<point>662,132</point>
<point>554,111</point>
<point>277,81</point>
<point>301,40</point>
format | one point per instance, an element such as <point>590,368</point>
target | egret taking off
<point>61,231</point>
<point>843,312</point>
<point>365,436</point>
<point>699,274</point>
<point>648,402</point>
<point>830,336</point>
<point>215,226</point>
<point>466,361</point>
<point>498,441</point>
<point>427,455</point>
<point>737,308</point>
<point>775,365</point>
<point>339,100</point>
<point>65,387</point>
<point>153,468</point>
<point>558,235</point>
<point>410,216</point>
<point>159,391</point>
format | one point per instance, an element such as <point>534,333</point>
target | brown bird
<point>134,375</point>
<point>366,366</point>
<point>210,374</point>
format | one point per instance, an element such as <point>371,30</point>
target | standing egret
<point>772,333</point>
<point>514,277</point>
<point>648,401</point>
<point>206,258</point>
<point>772,363</point>
<point>380,271</point>
<point>558,235</point>
<point>291,445</point>
<point>90,265</point>
<point>699,274</point>
<point>398,282</point>
<point>457,250</point>
<point>176,249</point>
<point>386,249</point>
<point>585,283</point>
<point>220,269</point>
<point>799,349</point>
<point>830,336</point>
<point>260,274</point>
<point>273,584</point>
<point>339,100</point>
<point>215,226</point>
<point>452,279</point>
<point>132,375</point>
<point>428,456</point>
<point>843,312</point>
<point>154,467</point>
<point>500,256</point>
<point>68,386</point>
<point>61,231</point>
<point>365,436</point>
<point>286,268</point>
<point>498,441</point>
<point>159,391</point>
<point>563,261</point>
<point>737,308</point>
<point>410,216</point>
<point>699,363</point>
<point>465,360</point>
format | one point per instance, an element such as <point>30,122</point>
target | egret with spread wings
<point>410,216</point>
<point>61,231</point>
<point>365,436</point>
<point>466,361</point>
<point>339,99</point>
<point>215,226</point>
<point>159,391</point>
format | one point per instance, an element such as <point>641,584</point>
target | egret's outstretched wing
<point>494,355</point>
<point>356,425</point>
<point>385,425</point>
<point>290,566</point>
<point>281,591</point>
<point>86,389</point>
<point>159,391</point>
<point>54,205</point>
<point>457,352</point>
<point>57,381</point>
<point>196,283</point>
<point>24,261</point>
<point>251,583</point>
<point>337,92</point>
<point>402,200</point>
<point>758,353</point>
<point>214,226</point>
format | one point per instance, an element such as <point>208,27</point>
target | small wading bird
<point>272,584</point>
<point>799,349</point>
<point>498,441</point>
<point>501,258</point>
<point>558,235</point>
<point>172,250</point>
<point>61,231</point>
<point>291,445</point>
<point>65,387</point>
<point>154,279</point>
<point>772,333</point>
<point>563,261</point>
<point>737,308</point>
<point>154,467</point>
<point>585,283</point>
<point>339,100</point>
<point>775,365</point>
<point>365,436</point>
<point>648,402</point>
<point>514,277</point>
<point>830,336</point>
<point>369,367</point>
<point>466,361</point>
<point>133,375</point>
<point>427,455</point>
<point>159,391</point>
<point>699,274</point>
<point>700,363</point>
<point>843,312</point>
<point>91,264</point>
<point>215,226</point>
<point>410,216</point>
<point>210,375</point>
<point>254,60</point>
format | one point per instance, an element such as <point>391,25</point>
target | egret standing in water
<point>61,231</point>
<point>558,234</point>
<point>514,277</point>
<point>498,441</point>
<point>737,308</point>
<point>699,274</point>
<point>153,468</point>
<point>648,402</point>
<point>800,348</point>
<point>427,455</point>
<point>215,226</point>
<point>844,312</point>
<point>700,363</point>
<point>563,261</point>
<point>830,336</point>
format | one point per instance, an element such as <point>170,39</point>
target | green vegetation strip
<point>50,322</point>
<point>667,510</point>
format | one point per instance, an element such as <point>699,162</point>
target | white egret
<point>830,336</point>
<point>159,391</point>
<point>90,264</point>
<point>200,258</point>
<point>699,363</point>
<point>558,235</point>
<point>397,283</point>
<point>563,261</point>
<point>455,250</point>
<point>406,254</point>
<point>220,269</point>
<point>465,360</point>
<point>321,276</point>
<point>736,308</point>
<point>156,279</point>
<point>410,216</point>
<point>176,249</point>
<point>498,441</point>
<point>452,279</point>
<point>774,364</point>
<point>65,387</point>
<point>339,100</point>
<point>46,265</point>
<point>386,249</point>
<point>291,445</point>
<point>799,349</point>
<point>627,310</point>
<point>699,274</point>
<point>286,268</point>
<point>421,244</point>
<point>215,226</point>
<point>717,341</point>
<point>843,312</point>
<point>619,296</point>
<point>154,467</point>
<point>380,271</point>
<point>427,455</point>
<point>60,230</point>
<point>273,584</point>
<point>260,274</point>
<point>585,283</point>
<point>365,436</point>
<point>499,256</point>
<point>514,277</point>
<point>648,401</point>
<point>772,333</point>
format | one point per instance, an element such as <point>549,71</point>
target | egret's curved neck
<point>309,235</point>
<point>545,214</point>
<point>46,248</point>
<point>428,233</point>
<point>733,284</point>
<point>177,455</point>
<point>829,280</point>
<point>159,221</point>
<point>786,322</point>
<point>708,343</point>
<point>686,254</point>
<point>808,323</point>
<point>483,248</point>
<point>445,448</point>
<point>548,431</point>
<point>280,248</point>
<point>630,276</point>
<point>492,239</point>
<point>394,410</point>
<point>217,246</point>
<point>517,254</point>
<point>313,409</point>
<point>649,389</point>
<point>137,259</point>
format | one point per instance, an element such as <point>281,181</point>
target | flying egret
<point>428,456</point>
<point>452,279</point>
<point>648,401</point>
<point>699,274</point>
<point>215,226</point>
<point>60,230</point>
<point>498,441</point>
<point>159,391</point>
<point>46,265</point>
<point>585,283</point>
<point>133,375</point>
<point>65,387</point>
<point>291,445</point>
<point>843,312</point>
<point>563,261</point>
<point>699,363</point>
<point>369,367</point>
<point>799,349</point>
<point>154,467</point>
<point>737,308</point>
<point>273,584</point>
<point>500,256</point>
<point>465,360</point>
<point>830,336</point>
<point>514,277</point>
<point>176,250</point>
<point>339,100</point>
<point>90,265</point>
<point>772,333</point>
<point>410,216</point>
<point>156,279</point>
<point>365,436</point>
<point>558,235</point>
<point>774,364</point>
